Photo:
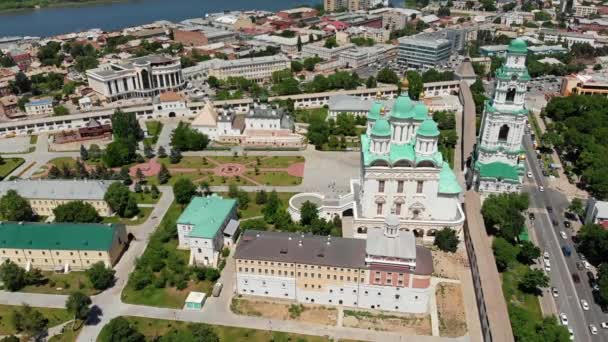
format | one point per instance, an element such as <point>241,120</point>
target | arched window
<point>511,95</point>
<point>503,134</point>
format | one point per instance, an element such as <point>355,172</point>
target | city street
<point>562,268</point>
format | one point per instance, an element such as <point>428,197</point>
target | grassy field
<point>304,115</point>
<point>188,162</point>
<point>69,335</point>
<point>143,198</point>
<point>55,317</point>
<point>63,283</point>
<point>152,328</point>
<point>61,161</point>
<point>154,127</point>
<point>143,215</point>
<point>279,161</point>
<point>512,293</point>
<point>10,164</point>
<point>277,178</point>
<point>254,209</point>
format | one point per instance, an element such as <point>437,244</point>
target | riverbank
<point>12,6</point>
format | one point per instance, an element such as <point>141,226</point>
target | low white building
<point>555,36</point>
<point>200,228</point>
<point>39,107</point>
<point>258,69</point>
<point>171,104</point>
<point>318,50</point>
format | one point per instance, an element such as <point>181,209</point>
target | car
<point>549,209</point>
<point>546,256</point>
<point>567,224</point>
<point>604,325</point>
<point>554,223</point>
<point>579,266</point>
<point>586,264</point>
<point>541,188</point>
<point>554,292</point>
<point>571,333</point>
<point>563,318</point>
<point>566,250</point>
<point>547,266</point>
<point>576,278</point>
<point>531,216</point>
<point>593,329</point>
<point>563,234</point>
<point>584,304</point>
<point>529,174</point>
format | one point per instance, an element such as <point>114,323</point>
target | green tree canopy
<point>76,211</point>
<point>121,200</point>
<point>504,214</point>
<point>447,240</point>
<point>387,75</point>
<point>184,190</point>
<point>77,304</point>
<point>101,277</point>
<point>186,138</point>
<point>13,207</point>
<point>504,253</point>
<point>119,329</point>
<point>29,321</point>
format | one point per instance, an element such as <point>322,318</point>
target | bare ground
<point>277,309</point>
<point>448,265</point>
<point>409,324</point>
<point>450,308</point>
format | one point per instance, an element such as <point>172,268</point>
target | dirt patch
<point>272,309</point>
<point>448,265</point>
<point>450,308</point>
<point>410,324</point>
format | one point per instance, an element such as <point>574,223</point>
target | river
<point>116,15</point>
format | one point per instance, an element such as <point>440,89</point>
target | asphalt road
<point>562,267</point>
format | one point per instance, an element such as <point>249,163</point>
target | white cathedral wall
<point>330,294</point>
<point>392,298</point>
<point>268,286</point>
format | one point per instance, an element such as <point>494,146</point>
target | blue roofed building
<point>42,106</point>
<point>205,226</point>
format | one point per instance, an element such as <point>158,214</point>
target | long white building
<point>138,77</point>
<point>258,69</point>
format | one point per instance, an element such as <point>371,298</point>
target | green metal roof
<point>374,112</point>
<point>499,171</point>
<point>490,108</point>
<point>381,128</point>
<point>428,128</point>
<point>207,215</point>
<point>421,112</point>
<point>448,184</point>
<point>60,236</point>
<point>402,109</point>
<point>518,46</point>
<point>402,152</point>
<point>506,73</point>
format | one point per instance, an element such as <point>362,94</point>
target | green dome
<point>421,112</point>
<point>381,128</point>
<point>428,128</point>
<point>518,46</point>
<point>374,112</point>
<point>402,107</point>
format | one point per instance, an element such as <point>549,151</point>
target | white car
<point>604,325</point>
<point>541,188</point>
<point>593,329</point>
<point>584,304</point>
<point>586,264</point>
<point>529,174</point>
<point>563,318</point>
<point>547,266</point>
<point>546,256</point>
<point>563,235</point>
<point>554,292</point>
<point>571,332</point>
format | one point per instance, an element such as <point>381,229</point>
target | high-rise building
<point>499,164</point>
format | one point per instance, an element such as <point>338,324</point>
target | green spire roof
<point>207,215</point>
<point>374,112</point>
<point>499,171</point>
<point>402,107</point>
<point>518,46</point>
<point>381,128</point>
<point>420,112</point>
<point>428,128</point>
<point>448,184</point>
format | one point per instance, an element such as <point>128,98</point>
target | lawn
<point>154,127</point>
<point>512,293</point>
<point>188,162</point>
<point>276,178</point>
<point>214,180</point>
<point>69,335</point>
<point>232,160</point>
<point>304,115</point>
<point>61,161</point>
<point>63,283</point>
<point>279,161</point>
<point>254,209</point>
<point>143,215</point>
<point>152,328</point>
<point>55,317</point>
<point>33,139</point>
<point>10,164</point>
<point>143,198</point>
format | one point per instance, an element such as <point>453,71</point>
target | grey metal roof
<point>231,227</point>
<point>57,189</point>
<point>403,246</point>
<point>303,249</point>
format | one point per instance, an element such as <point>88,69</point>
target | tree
<point>272,206</point>
<point>331,43</point>
<point>12,276</point>
<point>387,75</point>
<point>308,213</point>
<point>60,111</point>
<point>13,207</point>
<point>119,329</point>
<point>242,199</point>
<point>371,82</point>
<point>213,82</point>
<point>299,43</point>
<point>29,321</point>
<point>138,189</point>
<point>233,191</point>
<point>185,138</point>
<point>415,84</point>
<point>121,200</point>
<point>443,12</point>
<point>176,156</point>
<point>163,175</point>
<point>576,207</point>
<point>119,152</point>
<point>154,191</point>
<point>161,152</point>
<point>504,213</point>
<point>125,126</point>
<point>447,240</point>
<point>528,252</point>
<point>593,242</point>
<point>533,280</point>
<point>184,190</point>
<point>101,277</point>
<point>84,63</point>
<point>148,151</point>
<point>296,66</point>
<point>94,152</point>
<point>261,197</point>
<point>84,154</point>
<point>22,83</point>
<point>504,253</point>
<point>77,304</point>
<point>76,211</point>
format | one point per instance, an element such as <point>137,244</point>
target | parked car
<point>593,329</point>
<point>554,292</point>
<point>566,250</point>
<point>529,174</point>
<point>579,266</point>
<point>571,333</point>
<point>567,224</point>
<point>554,223</point>
<point>604,325</point>
<point>217,289</point>
<point>563,318</point>
<point>576,278</point>
<point>531,216</point>
<point>563,234</point>
<point>541,188</point>
<point>586,264</point>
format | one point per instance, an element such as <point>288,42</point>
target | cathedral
<point>499,160</point>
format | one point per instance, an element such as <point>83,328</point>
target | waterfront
<point>115,15</point>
